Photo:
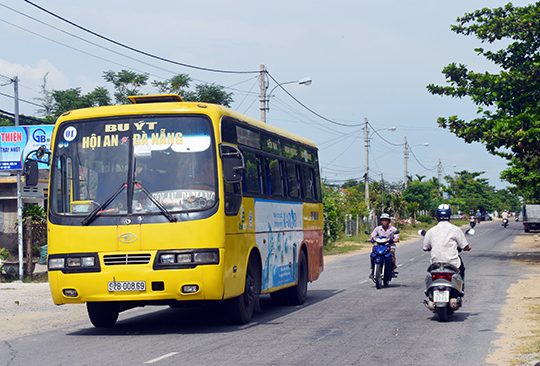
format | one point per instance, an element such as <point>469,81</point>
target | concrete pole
<point>19,187</point>
<point>366,164</point>
<point>263,87</point>
<point>405,162</point>
<point>439,176</point>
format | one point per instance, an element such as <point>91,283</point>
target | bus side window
<point>233,198</point>
<point>318,195</point>
<point>293,182</point>
<point>308,182</point>
<point>252,182</point>
<point>275,177</point>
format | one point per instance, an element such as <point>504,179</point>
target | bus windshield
<point>171,158</point>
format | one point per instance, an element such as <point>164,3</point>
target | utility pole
<point>439,175</point>
<point>405,163</point>
<point>19,187</point>
<point>263,87</point>
<point>366,165</point>
<point>382,193</point>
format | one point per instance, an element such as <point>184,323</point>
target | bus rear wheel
<point>241,308</point>
<point>297,294</point>
<point>102,314</point>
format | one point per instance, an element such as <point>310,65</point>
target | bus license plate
<point>127,286</point>
<point>441,296</point>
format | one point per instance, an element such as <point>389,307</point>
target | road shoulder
<point>519,322</point>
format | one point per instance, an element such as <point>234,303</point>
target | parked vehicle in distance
<point>486,216</point>
<point>531,217</point>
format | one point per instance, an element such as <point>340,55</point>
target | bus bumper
<point>160,285</point>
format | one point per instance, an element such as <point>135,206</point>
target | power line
<point>343,152</point>
<point>299,118</point>
<point>110,50</point>
<point>306,107</point>
<point>418,161</point>
<point>22,100</point>
<point>137,50</point>
<point>85,40</point>
<point>376,132</point>
<point>310,120</point>
<point>76,49</point>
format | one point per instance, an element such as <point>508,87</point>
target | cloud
<point>32,75</point>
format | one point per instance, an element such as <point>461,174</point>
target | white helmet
<point>385,216</point>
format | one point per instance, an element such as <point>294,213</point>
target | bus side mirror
<point>233,163</point>
<point>31,173</point>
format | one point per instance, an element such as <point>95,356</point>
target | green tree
<point>469,192</point>
<point>420,196</point>
<point>178,84</point>
<point>126,83</point>
<point>508,114</point>
<point>68,99</point>
<point>333,213</point>
<point>210,93</point>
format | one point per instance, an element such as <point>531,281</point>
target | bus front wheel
<point>241,308</point>
<point>102,314</point>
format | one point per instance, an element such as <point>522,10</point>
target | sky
<point>367,59</point>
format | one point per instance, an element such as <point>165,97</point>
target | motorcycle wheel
<point>379,275</point>
<point>442,313</point>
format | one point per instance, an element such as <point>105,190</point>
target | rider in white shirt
<point>444,239</point>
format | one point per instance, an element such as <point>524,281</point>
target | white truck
<point>531,217</point>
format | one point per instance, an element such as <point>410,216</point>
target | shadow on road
<point>457,317</point>
<point>523,256</point>
<point>210,318</point>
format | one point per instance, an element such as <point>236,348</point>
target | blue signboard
<point>17,142</point>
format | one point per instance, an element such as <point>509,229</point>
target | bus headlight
<point>183,258</point>
<point>88,261</point>
<point>206,257</point>
<point>56,263</point>
<point>172,259</point>
<point>75,262</point>
<point>166,259</point>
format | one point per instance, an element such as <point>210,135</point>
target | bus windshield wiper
<point>162,209</point>
<point>98,210</point>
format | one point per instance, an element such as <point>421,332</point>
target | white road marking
<point>162,357</point>
<point>399,265</point>
<point>410,260</point>
<point>364,281</point>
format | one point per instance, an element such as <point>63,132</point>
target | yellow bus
<point>161,201</point>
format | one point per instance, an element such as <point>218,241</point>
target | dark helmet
<point>444,212</point>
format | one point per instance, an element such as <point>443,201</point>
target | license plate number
<point>126,286</point>
<point>441,296</point>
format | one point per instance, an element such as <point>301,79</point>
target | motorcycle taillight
<point>442,276</point>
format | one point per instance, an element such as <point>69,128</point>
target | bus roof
<point>172,108</point>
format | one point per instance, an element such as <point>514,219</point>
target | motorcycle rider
<point>444,239</point>
<point>478,216</point>
<point>388,231</point>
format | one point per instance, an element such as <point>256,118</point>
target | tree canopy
<point>125,83</point>
<point>508,114</point>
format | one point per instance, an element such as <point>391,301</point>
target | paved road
<point>346,321</point>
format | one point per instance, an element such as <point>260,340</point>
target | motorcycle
<point>444,286</point>
<point>381,261</point>
<point>505,223</point>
